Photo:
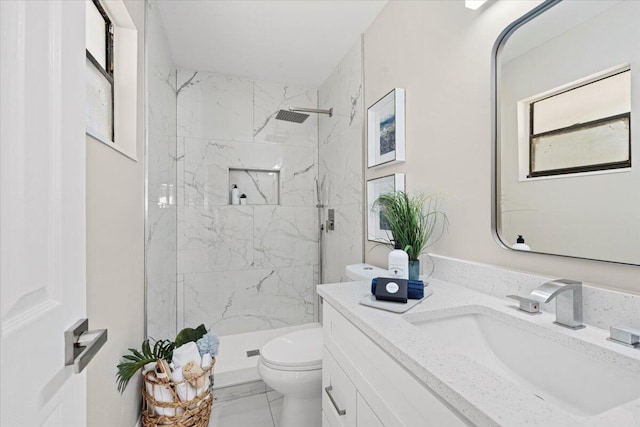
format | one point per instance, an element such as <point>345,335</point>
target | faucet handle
<point>625,335</point>
<point>526,304</point>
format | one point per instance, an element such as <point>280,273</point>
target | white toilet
<point>292,365</point>
<point>358,272</point>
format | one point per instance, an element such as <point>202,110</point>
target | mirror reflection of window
<point>567,178</point>
<point>583,128</point>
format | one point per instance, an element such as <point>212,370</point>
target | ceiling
<point>298,42</point>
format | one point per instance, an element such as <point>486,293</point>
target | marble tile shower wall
<point>160,233</point>
<point>341,156</point>
<point>244,268</point>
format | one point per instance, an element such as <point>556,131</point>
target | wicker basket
<point>172,411</point>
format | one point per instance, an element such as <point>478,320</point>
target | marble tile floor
<point>258,410</point>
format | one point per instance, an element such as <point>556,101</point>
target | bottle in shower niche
<point>235,195</point>
<point>398,263</point>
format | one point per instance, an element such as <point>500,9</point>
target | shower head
<point>291,116</point>
<point>297,115</point>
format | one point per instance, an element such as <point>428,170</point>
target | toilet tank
<point>357,272</point>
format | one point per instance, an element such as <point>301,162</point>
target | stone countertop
<point>484,397</point>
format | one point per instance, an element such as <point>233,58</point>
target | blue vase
<point>414,270</point>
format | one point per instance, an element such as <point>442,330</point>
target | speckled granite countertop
<point>484,397</point>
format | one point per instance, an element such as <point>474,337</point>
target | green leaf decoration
<point>162,349</point>
<point>190,335</point>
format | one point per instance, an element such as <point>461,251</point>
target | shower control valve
<point>331,221</point>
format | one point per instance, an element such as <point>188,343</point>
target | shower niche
<point>260,186</point>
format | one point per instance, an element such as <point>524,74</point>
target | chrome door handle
<point>329,389</point>
<point>81,344</point>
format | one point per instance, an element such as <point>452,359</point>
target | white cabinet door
<point>338,394</point>
<point>42,210</point>
<point>365,417</point>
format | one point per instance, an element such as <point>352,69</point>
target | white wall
<point>591,216</point>
<point>440,52</point>
<point>115,261</point>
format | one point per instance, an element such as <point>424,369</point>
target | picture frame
<point>376,229</point>
<point>386,130</point>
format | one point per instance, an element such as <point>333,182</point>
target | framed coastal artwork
<point>378,229</point>
<point>385,130</point>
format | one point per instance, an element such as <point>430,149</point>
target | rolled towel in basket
<point>196,376</point>
<point>415,288</point>
<point>186,353</point>
<point>185,390</point>
<point>161,393</point>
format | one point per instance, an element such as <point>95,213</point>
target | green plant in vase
<point>415,222</point>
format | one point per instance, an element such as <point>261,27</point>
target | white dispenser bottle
<point>235,195</point>
<point>520,245</point>
<point>398,263</point>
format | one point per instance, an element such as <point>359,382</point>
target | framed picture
<point>378,229</point>
<point>385,125</point>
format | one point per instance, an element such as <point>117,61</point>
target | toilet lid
<point>299,349</point>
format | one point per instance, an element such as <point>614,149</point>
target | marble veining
<point>340,164</point>
<point>231,302</point>
<point>343,247</point>
<point>262,187</point>
<point>240,268</point>
<point>207,163</point>
<point>211,105</point>
<point>285,236</point>
<point>271,97</point>
<point>245,267</point>
<point>214,238</point>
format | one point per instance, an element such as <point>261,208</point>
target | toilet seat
<point>296,351</point>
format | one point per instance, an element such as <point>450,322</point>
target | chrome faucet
<point>625,335</point>
<point>568,295</point>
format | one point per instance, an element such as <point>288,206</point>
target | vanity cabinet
<point>364,387</point>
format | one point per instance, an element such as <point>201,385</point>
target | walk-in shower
<point>247,270</point>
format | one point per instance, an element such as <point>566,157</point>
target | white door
<point>42,210</point>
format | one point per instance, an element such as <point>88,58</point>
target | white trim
<point>106,141</point>
<point>574,175</point>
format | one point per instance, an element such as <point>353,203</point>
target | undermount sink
<point>560,375</point>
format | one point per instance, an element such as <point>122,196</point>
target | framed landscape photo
<point>378,229</point>
<point>385,130</point>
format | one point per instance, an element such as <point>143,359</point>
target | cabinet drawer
<point>366,416</point>
<point>338,394</point>
<point>398,397</point>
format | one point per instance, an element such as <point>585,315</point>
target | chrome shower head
<point>297,115</point>
<point>291,116</point>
